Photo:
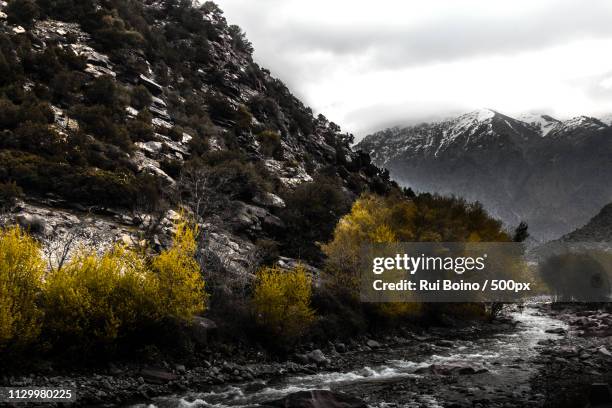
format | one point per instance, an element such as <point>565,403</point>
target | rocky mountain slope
<point>116,114</point>
<point>598,229</point>
<point>553,174</point>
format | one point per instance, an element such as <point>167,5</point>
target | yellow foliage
<point>94,298</point>
<point>282,301</point>
<point>373,219</point>
<point>395,218</point>
<point>399,310</point>
<point>21,272</point>
<point>181,287</point>
<point>383,234</point>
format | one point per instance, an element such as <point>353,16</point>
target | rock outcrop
<point>160,105</point>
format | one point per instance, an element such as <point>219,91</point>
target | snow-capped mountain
<point>607,119</point>
<point>544,123</point>
<point>553,174</point>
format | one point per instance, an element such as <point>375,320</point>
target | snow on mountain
<point>553,174</point>
<point>607,119</point>
<point>577,128</point>
<point>544,123</point>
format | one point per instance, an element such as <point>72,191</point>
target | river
<point>493,369</point>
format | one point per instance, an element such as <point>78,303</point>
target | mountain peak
<point>480,115</point>
<point>506,164</point>
<point>598,229</point>
<point>545,123</point>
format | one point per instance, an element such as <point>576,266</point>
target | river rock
<point>317,356</point>
<point>449,370</point>
<point>317,399</point>
<point>444,343</point>
<point>557,330</point>
<point>157,376</point>
<point>33,223</point>
<point>202,329</point>
<point>373,344</point>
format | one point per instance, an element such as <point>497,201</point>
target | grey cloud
<point>287,47</point>
<point>448,37</point>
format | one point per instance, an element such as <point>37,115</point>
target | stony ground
<point>576,369</point>
<point>571,368</point>
<point>124,383</point>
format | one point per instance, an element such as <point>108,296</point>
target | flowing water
<point>503,359</point>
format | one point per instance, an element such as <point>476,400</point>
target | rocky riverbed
<point>540,357</point>
<point>575,367</point>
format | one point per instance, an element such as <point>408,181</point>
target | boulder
<point>317,356</point>
<point>373,344</point>
<point>269,200</point>
<point>157,376</point>
<point>557,330</point>
<point>450,370</point>
<point>302,358</point>
<point>317,399</point>
<point>33,223</point>
<point>202,330</point>
<point>151,147</point>
<point>444,343</point>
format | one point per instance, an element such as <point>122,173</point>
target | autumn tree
<point>281,301</point>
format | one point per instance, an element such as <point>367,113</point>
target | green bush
<point>220,109</point>
<point>119,188</point>
<point>140,128</point>
<point>22,12</point>
<point>141,97</point>
<point>270,143</point>
<point>238,180</point>
<point>311,214</point>
<point>37,138</point>
<point>103,91</point>
<point>9,193</point>
<point>102,123</point>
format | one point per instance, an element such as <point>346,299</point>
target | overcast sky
<point>370,64</point>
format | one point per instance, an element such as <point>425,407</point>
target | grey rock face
<point>598,229</point>
<point>234,225</point>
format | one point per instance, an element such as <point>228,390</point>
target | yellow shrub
<point>95,298</point>
<point>21,272</point>
<point>375,219</point>
<point>282,301</point>
<point>398,310</point>
<point>181,287</point>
